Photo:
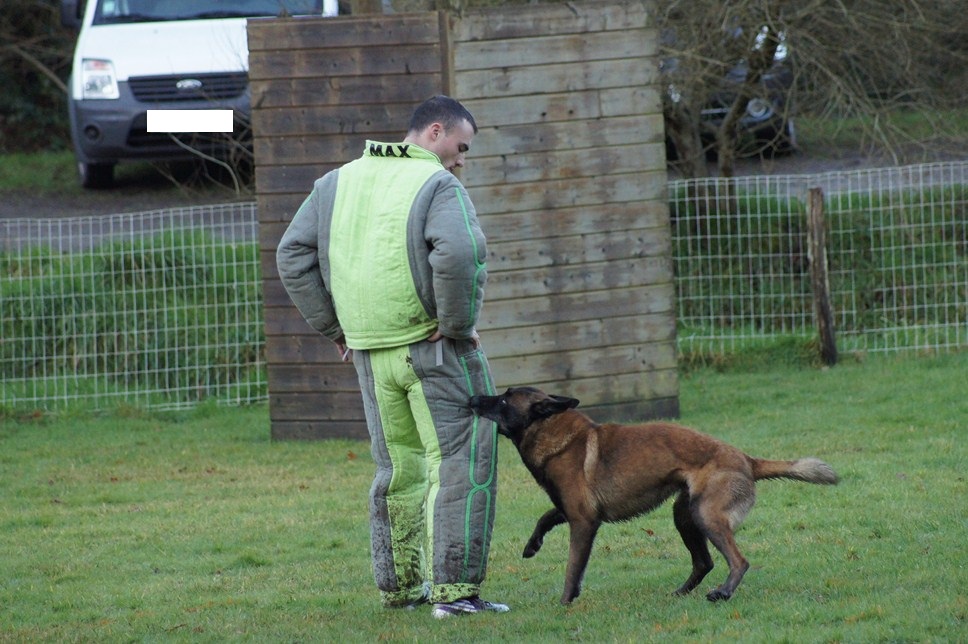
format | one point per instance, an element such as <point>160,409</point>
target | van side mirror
<point>71,12</point>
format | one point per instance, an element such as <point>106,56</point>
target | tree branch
<point>37,64</point>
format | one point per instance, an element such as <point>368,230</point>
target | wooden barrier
<point>567,174</point>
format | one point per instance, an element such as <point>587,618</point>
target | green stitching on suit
<point>480,265</point>
<point>476,487</point>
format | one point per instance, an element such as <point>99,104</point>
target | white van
<point>133,56</point>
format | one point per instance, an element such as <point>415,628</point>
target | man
<point>387,259</point>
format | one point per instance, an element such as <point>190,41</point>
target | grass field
<point>196,527</point>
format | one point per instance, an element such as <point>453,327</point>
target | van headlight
<point>98,79</point>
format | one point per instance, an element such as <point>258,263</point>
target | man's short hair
<point>440,109</point>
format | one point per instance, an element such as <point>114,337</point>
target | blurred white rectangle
<point>190,120</point>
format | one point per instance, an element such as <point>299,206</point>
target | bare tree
<point>35,56</point>
<point>847,58</point>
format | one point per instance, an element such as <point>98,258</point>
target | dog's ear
<point>569,403</point>
<point>552,406</point>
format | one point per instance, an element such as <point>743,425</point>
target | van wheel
<point>96,175</point>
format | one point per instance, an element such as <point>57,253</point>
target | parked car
<point>767,125</point>
<point>133,56</point>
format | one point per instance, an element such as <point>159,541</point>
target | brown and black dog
<point>598,474</point>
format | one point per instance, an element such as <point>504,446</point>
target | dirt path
<point>133,192</point>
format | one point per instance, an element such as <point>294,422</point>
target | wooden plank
<point>595,362</point>
<point>286,321</point>
<point>308,349</point>
<point>290,178</point>
<point>580,334</point>
<point>351,61</point>
<point>589,104</point>
<point>344,91</point>
<point>276,209</point>
<point>577,220</point>
<point>607,390</point>
<point>571,307</point>
<point>566,193</point>
<point>320,150</point>
<point>564,164</point>
<point>640,99</point>
<point>268,246</point>
<point>274,294</point>
<point>555,136</point>
<point>321,405</point>
<point>537,79</point>
<point>537,139</point>
<point>319,430</point>
<point>324,152</point>
<point>635,411</point>
<point>323,120</point>
<point>542,49</point>
<point>522,283</point>
<point>571,255</point>
<point>310,377</point>
<point>344,31</point>
<point>522,21</point>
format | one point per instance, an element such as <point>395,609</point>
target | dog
<point>605,473</point>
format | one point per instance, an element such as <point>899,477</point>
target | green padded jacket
<point>385,250</point>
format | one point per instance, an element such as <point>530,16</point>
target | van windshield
<point>118,11</point>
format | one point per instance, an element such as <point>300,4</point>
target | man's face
<point>451,145</point>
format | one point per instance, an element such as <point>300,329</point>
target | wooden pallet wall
<point>567,174</point>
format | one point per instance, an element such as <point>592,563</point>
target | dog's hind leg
<point>548,520</point>
<point>718,513</point>
<point>738,565</point>
<point>695,542</point>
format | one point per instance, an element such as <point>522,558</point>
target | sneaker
<point>467,606</point>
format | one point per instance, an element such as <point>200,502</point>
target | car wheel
<point>96,176</point>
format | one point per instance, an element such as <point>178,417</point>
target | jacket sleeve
<point>302,262</point>
<point>458,259</point>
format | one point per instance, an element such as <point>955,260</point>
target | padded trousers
<point>433,495</point>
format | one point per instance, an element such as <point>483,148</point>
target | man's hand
<point>345,353</point>
<point>475,339</point>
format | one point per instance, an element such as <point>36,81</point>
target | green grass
<point>49,173</point>
<point>178,314</point>
<point>196,527</point>
<point>39,171</point>
<point>941,131</point>
<point>55,172</point>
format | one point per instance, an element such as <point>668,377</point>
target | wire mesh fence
<point>898,267</point>
<point>157,309</point>
<point>163,309</point>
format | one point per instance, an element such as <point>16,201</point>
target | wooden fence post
<point>819,277</point>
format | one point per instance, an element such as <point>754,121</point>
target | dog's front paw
<point>531,548</point>
<point>718,594</point>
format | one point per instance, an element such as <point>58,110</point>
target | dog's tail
<point>810,470</point>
